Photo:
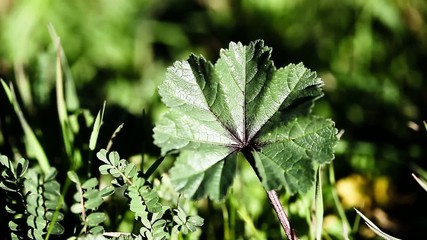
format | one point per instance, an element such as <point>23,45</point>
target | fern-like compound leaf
<point>144,201</point>
<point>42,201</point>
<point>88,200</point>
<point>12,180</point>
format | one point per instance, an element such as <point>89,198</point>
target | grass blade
<point>420,181</point>
<point>153,167</point>
<point>23,86</point>
<point>71,99</point>
<point>33,146</point>
<point>67,132</point>
<point>61,106</point>
<point>318,204</point>
<point>110,143</point>
<point>338,205</point>
<point>73,154</point>
<point>244,215</point>
<point>96,126</point>
<point>374,228</point>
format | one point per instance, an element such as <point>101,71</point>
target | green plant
<point>35,202</point>
<point>369,53</point>
<point>243,104</point>
<point>43,204</point>
<point>88,199</point>
<point>12,181</point>
<point>32,200</point>
<point>144,201</point>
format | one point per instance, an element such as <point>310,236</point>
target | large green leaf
<point>242,104</point>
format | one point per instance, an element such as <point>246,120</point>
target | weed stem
<point>274,199</point>
<point>281,214</point>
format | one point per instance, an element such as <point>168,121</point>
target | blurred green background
<point>372,56</point>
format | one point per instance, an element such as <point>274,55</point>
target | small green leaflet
<point>242,103</point>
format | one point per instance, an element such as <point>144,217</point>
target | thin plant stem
<point>115,133</point>
<point>281,215</point>
<point>274,199</point>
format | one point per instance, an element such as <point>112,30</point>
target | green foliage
<point>154,227</point>
<point>88,200</point>
<point>242,103</point>
<point>34,147</point>
<point>144,201</point>
<point>43,198</point>
<point>35,201</point>
<point>32,200</point>
<point>186,223</point>
<point>370,55</point>
<point>12,181</point>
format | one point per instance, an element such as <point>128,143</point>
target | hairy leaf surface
<point>242,103</point>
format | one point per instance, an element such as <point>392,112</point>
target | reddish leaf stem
<point>274,199</point>
<point>281,214</point>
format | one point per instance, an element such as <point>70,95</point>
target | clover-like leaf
<point>186,223</point>
<point>90,183</point>
<point>107,191</point>
<point>73,177</point>
<point>57,229</point>
<point>242,103</point>
<point>4,161</point>
<point>95,218</point>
